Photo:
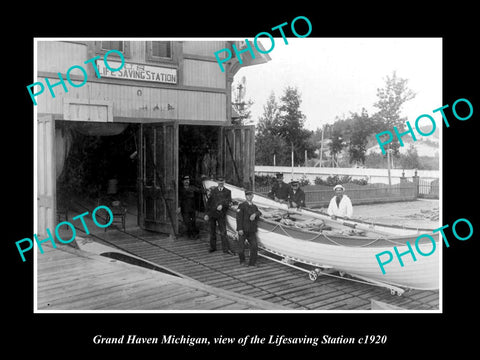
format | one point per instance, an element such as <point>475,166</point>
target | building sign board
<point>140,72</point>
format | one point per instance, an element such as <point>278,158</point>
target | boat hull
<point>354,255</point>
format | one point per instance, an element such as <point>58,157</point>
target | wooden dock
<point>71,279</point>
<point>281,286</point>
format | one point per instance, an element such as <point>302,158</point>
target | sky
<point>336,76</point>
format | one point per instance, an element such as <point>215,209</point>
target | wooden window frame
<point>100,50</point>
<point>160,59</point>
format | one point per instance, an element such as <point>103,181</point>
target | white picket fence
<point>372,175</point>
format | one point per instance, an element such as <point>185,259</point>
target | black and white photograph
<point>257,183</point>
<point>148,153</point>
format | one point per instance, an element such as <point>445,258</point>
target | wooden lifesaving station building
<point>170,122</point>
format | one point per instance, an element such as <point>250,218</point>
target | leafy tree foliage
<point>390,101</point>
<point>410,160</point>
<point>357,130</point>
<point>281,129</point>
<point>337,144</point>
<point>267,142</point>
<point>360,129</point>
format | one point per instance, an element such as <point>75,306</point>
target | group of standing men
<point>217,205</point>
<point>248,213</point>
<point>218,202</point>
<point>340,204</point>
<point>287,194</point>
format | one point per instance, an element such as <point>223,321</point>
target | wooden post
<point>305,167</point>
<point>292,160</point>
<point>321,146</point>
<point>388,167</point>
<point>416,182</point>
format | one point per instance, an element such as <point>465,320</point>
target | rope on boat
<point>322,233</point>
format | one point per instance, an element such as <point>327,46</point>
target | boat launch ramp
<point>142,270</point>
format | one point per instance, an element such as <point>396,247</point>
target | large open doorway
<point>212,151</point>
<point>198,151</point>
<point>96,164</point>
<point>207,151</point>
<point>139,167</point>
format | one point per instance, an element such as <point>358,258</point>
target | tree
<point>269,120</point>
<point>360,129</point>
<point>270,146</point>
<point>390,101</point>
<point>336,144</point>
<point>410,160</point>
<point>291,125</point>
<point>267,142</point>
<point>281,129</point>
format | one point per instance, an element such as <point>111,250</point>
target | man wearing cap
<point>296,196</point>
<point>216,212</point>
<point>186,197</point>
<point>340,205</point>
<point>279,190</point>
<point>247,217</point>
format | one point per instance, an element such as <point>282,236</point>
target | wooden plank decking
<point>271,282</point>
<point>70,279</point>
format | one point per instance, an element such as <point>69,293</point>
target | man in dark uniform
<point>296,196</point>
<point>279,190</point>
<point>216,212</point>
<point>186,197</point>
<point>247,217</point>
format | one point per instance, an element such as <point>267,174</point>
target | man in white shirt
<point>340,205</point>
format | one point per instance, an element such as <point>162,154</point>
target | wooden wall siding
<point>203,48</point>
<point>89,110</point>
<point>152,103</point>
<point>203,73</point>
<point>57,56</point>
<point>202,106</point>
<point>45,174</point>
<point>137,52</point>
<point>132,102</point>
